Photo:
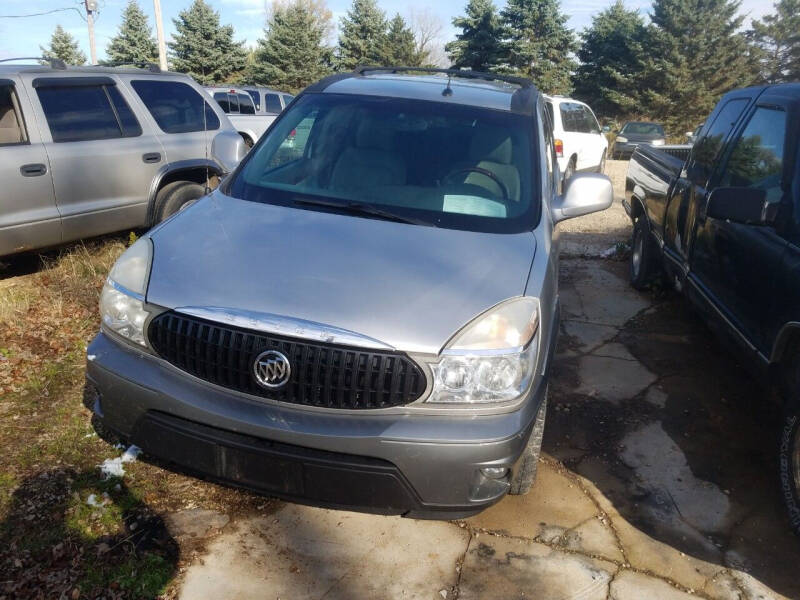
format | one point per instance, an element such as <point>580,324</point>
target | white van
<point>580,144</point>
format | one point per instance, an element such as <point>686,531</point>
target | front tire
<point>176,196</point>
<point>601,168</point>
<point>641,261</point>
<point>569,171</point>
<point>528,465</point>
<point>789,446</point>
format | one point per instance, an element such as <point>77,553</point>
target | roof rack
<point>520,81</point>
<point>150,66</point>
<point>55,63</point>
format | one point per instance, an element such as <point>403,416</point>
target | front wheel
<point>641,261</point>
<point>523,479</point>
<point>601,168</point>
<point>569,171</point>
<point>176,196</point>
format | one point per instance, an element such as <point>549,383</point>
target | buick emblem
<point>272,369</point>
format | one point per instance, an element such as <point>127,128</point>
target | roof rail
<point>55,63</point>
<point>520,81</point>
<point>150,66</point>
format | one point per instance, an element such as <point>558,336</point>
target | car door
<point>747,257</point>
<point>573,125</point>
<point>593,141</point>
<point>103,161</point>
<point>29,217</point>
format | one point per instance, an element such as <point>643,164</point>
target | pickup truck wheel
<point>523,479</point>
<point>641,255</point>
<point>789,449</point>
<point>176,196</point>
<point>247,141</point>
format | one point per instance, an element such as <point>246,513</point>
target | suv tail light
<point>559,148</point>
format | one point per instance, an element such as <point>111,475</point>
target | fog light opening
<point>494,472</point>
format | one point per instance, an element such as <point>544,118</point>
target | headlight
<point>657,142</point>
<point>122,307</point>
<point>492,359</point>
<point>622,139</point>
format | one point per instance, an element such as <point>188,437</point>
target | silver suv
<point>90,150</point>
<point>360,317</point>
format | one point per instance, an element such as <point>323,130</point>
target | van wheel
<point>176,196</point>
<point>523,479</point>
<point>641,261</point>
<point>789,446</point>
<point>570,170</point>
<point>602,166</point>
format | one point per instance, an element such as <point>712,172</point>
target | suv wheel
<point>569,171</point>
<point>602,167</point>
<point>529,461</point>
<point>789,447</point>
<point>176,196</point>
<point>641,269</point>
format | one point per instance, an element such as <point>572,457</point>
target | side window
<point>548,108</point>
<point>246,106</point>
<point>222,100</point>
<point>12,127</point>
<point>286,99</point>
<point>550,152</point>
<point>591,122</point>
<point>256,98</point>
<point>77,113</point>
<point>272,103</point>
<point>568,117</point>
<point>233,99</point>
<point>294,146</point>
<point>707,148</point>
<point>756,160</point>
<point>177,107</point>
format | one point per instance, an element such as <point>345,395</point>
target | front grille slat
<point>322,374</point>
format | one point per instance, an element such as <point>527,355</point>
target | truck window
<point>287,98</point>
<point>756,160</point>
<point>12,127</point>
<point>272,103</point>
<point>177,107</point>
<point>707,148</point>
<point>77,113</point>
<point>256,98</point>
<point>222,100</point>
<point>246,106</point>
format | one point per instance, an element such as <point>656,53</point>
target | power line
<point>47,12</point>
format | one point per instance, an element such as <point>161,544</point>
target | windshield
<point>428,162</point>
<point>643,128</point>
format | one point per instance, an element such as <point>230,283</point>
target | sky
<point>23,36</point>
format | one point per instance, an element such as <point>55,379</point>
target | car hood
<point>409,287</point>
<point>642,137</point>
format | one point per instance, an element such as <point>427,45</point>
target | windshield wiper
<point>367,210</point>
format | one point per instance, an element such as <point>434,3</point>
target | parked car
<point>635,133</point>
<point>580,143</point>
<point>86,151</point>
<point>365,319</point>
<point>238,104</point>
<point>724,227</point>
<point>269,101</point>
<point>691,136</point>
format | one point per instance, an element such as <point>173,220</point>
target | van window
<point>177,107</point>
<point>12,128</point>
<point>590,122</point>
<point>572,118</point>
<point>77,113</point>
<point>272,103</point>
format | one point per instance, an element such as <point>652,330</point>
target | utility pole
<point>162,48</point>
<point>91,8</point>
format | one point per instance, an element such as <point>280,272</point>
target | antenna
<point>205,131</point>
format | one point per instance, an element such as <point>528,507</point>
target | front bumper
<point>419,465</point>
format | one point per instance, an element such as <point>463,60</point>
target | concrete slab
<point>612,379</point>
<point>586,336</point>
<point>195,523</point>
<point>303,552</point>
<point>594,537</point>
<point>503,568</point>
<point>630,585</point>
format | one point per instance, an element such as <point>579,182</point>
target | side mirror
<point>586,193</point>
<point>747,206</point>
<point>228,148</point>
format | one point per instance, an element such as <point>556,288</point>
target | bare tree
<point>427,28</point>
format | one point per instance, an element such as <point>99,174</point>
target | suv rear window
<point>447,165</point>
<point>177,107</point>
<point>86,112</point>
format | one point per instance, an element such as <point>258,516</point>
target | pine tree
<point>697,53</point>
<point>778,38</point>
<point>479,46</point>
<point>203,48</point>
<point>292,54</point>
<point>362,35</point>
<point>64,47</point>
<point>134,42</point>
<point>399,45</point>
<point>612,57</point>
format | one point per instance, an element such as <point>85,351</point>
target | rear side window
<point>287,98</point>
<point>12,128</point>
<point>246,106</point>
<point>177,107</point>
<point>77,113</point>
<point>256,98</point>
<point>272,103</point>
<point>707,148</point>
<point>590,122</point>
<point>222,100</point>
<point>572,118</point>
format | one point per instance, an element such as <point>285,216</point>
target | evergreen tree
<point>778,38</point>
<point>134,42</point>
<point>479,46</point>
<point>65,47</point>
<point>292,54</point>
<point>612,54</point>
<point>539,43</point>
<point>697,53</point>
<point>399,45</point>
<point>363,35</point>
<point>204,49</point>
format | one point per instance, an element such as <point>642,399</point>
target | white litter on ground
<point>609,252</point>
<point>112,467</point>
<point>93,501</point>
<point>91,356</point>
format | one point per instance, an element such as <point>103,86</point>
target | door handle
<point>33,170</point>
<point>151,157</point>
